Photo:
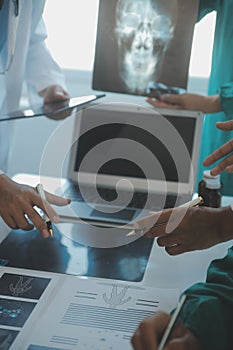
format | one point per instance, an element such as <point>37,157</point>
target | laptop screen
<point>110,135</point>
<point>125,167</point>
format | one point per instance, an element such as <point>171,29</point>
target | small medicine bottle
<point>209,188</point>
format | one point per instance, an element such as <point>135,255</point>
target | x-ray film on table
<point>63,253</point>
<point>143,44</point>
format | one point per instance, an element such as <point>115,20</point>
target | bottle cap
<point>212,182</point>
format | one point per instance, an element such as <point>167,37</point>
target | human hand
<point>150,331</point>
<point>223,151</point>
<point>205,104</point>
<point>186,229</point>
<point>54,93</point>
<point>55,97</point>
<point>18,200</point>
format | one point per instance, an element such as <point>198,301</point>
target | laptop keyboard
<point>108,194</point>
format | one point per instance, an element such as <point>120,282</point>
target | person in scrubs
<point>205,320</point>
<point>218,106</point>
<point>25,58</point>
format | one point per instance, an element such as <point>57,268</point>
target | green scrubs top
<point>208,309</point>
<point>221,82</point>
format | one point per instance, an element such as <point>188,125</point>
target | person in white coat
<point>25,58</point>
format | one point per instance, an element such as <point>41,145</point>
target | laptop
<point>127,160</point>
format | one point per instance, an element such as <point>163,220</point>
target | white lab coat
<point>32,63</point>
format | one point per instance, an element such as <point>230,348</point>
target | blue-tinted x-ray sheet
<point>63,255</point>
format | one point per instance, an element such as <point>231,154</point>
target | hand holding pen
<point>162,331</point>
<point>50,214</point>
<point>48,222</point>
<point>186,228</point>
<point>171,323</point>
<point>18,204</point>
<point>144,225</point>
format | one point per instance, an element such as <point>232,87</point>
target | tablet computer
<point>55,109</point>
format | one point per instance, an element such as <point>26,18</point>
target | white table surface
<point>163,271</point>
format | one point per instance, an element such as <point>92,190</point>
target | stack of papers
<point>48,311</point>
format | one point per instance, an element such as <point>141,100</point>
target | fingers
<point>47,208</point>
<point>156,231</point>
<point>17,206</point>
<point>43,203</point>
<point>21,221</point>
<point>225,126</point>
<point>57,200</point>
<point>226,164</point>
<point>181,339</point>
<point>9,220</point>
<point>159,104</point>
<point>178,249</point>
<point>149,331</point>
<point>163,222</point>
<point>58,115</point>
<point>18,213</point>
<point>55,100</point>
<point>60,94</point>
<point>175,243</point>
<point>37,220</point>
<point>136,341</point>
<point>146,222</point>
<point>18,220</point>
<point>154,224</point>
<point>220,153</point>
<point>179,344</point>
<point>54,93</point>
<point>168,240</point>
<point>172,99</point>
<point>229,169</point>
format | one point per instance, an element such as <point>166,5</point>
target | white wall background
<point>71,27</point>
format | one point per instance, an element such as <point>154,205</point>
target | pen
<point>171,323</point>
<point>197,201</point>
<point>48,222</point>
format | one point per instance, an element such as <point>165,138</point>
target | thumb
<point>59,93</point>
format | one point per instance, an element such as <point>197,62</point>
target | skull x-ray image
<point>142,44</point>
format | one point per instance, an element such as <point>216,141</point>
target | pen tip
<point>131,233</point>
<point>201,200</point>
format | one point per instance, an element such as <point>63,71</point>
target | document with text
<point>49,311</point>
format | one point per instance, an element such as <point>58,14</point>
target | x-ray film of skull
<point>143,43</point>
